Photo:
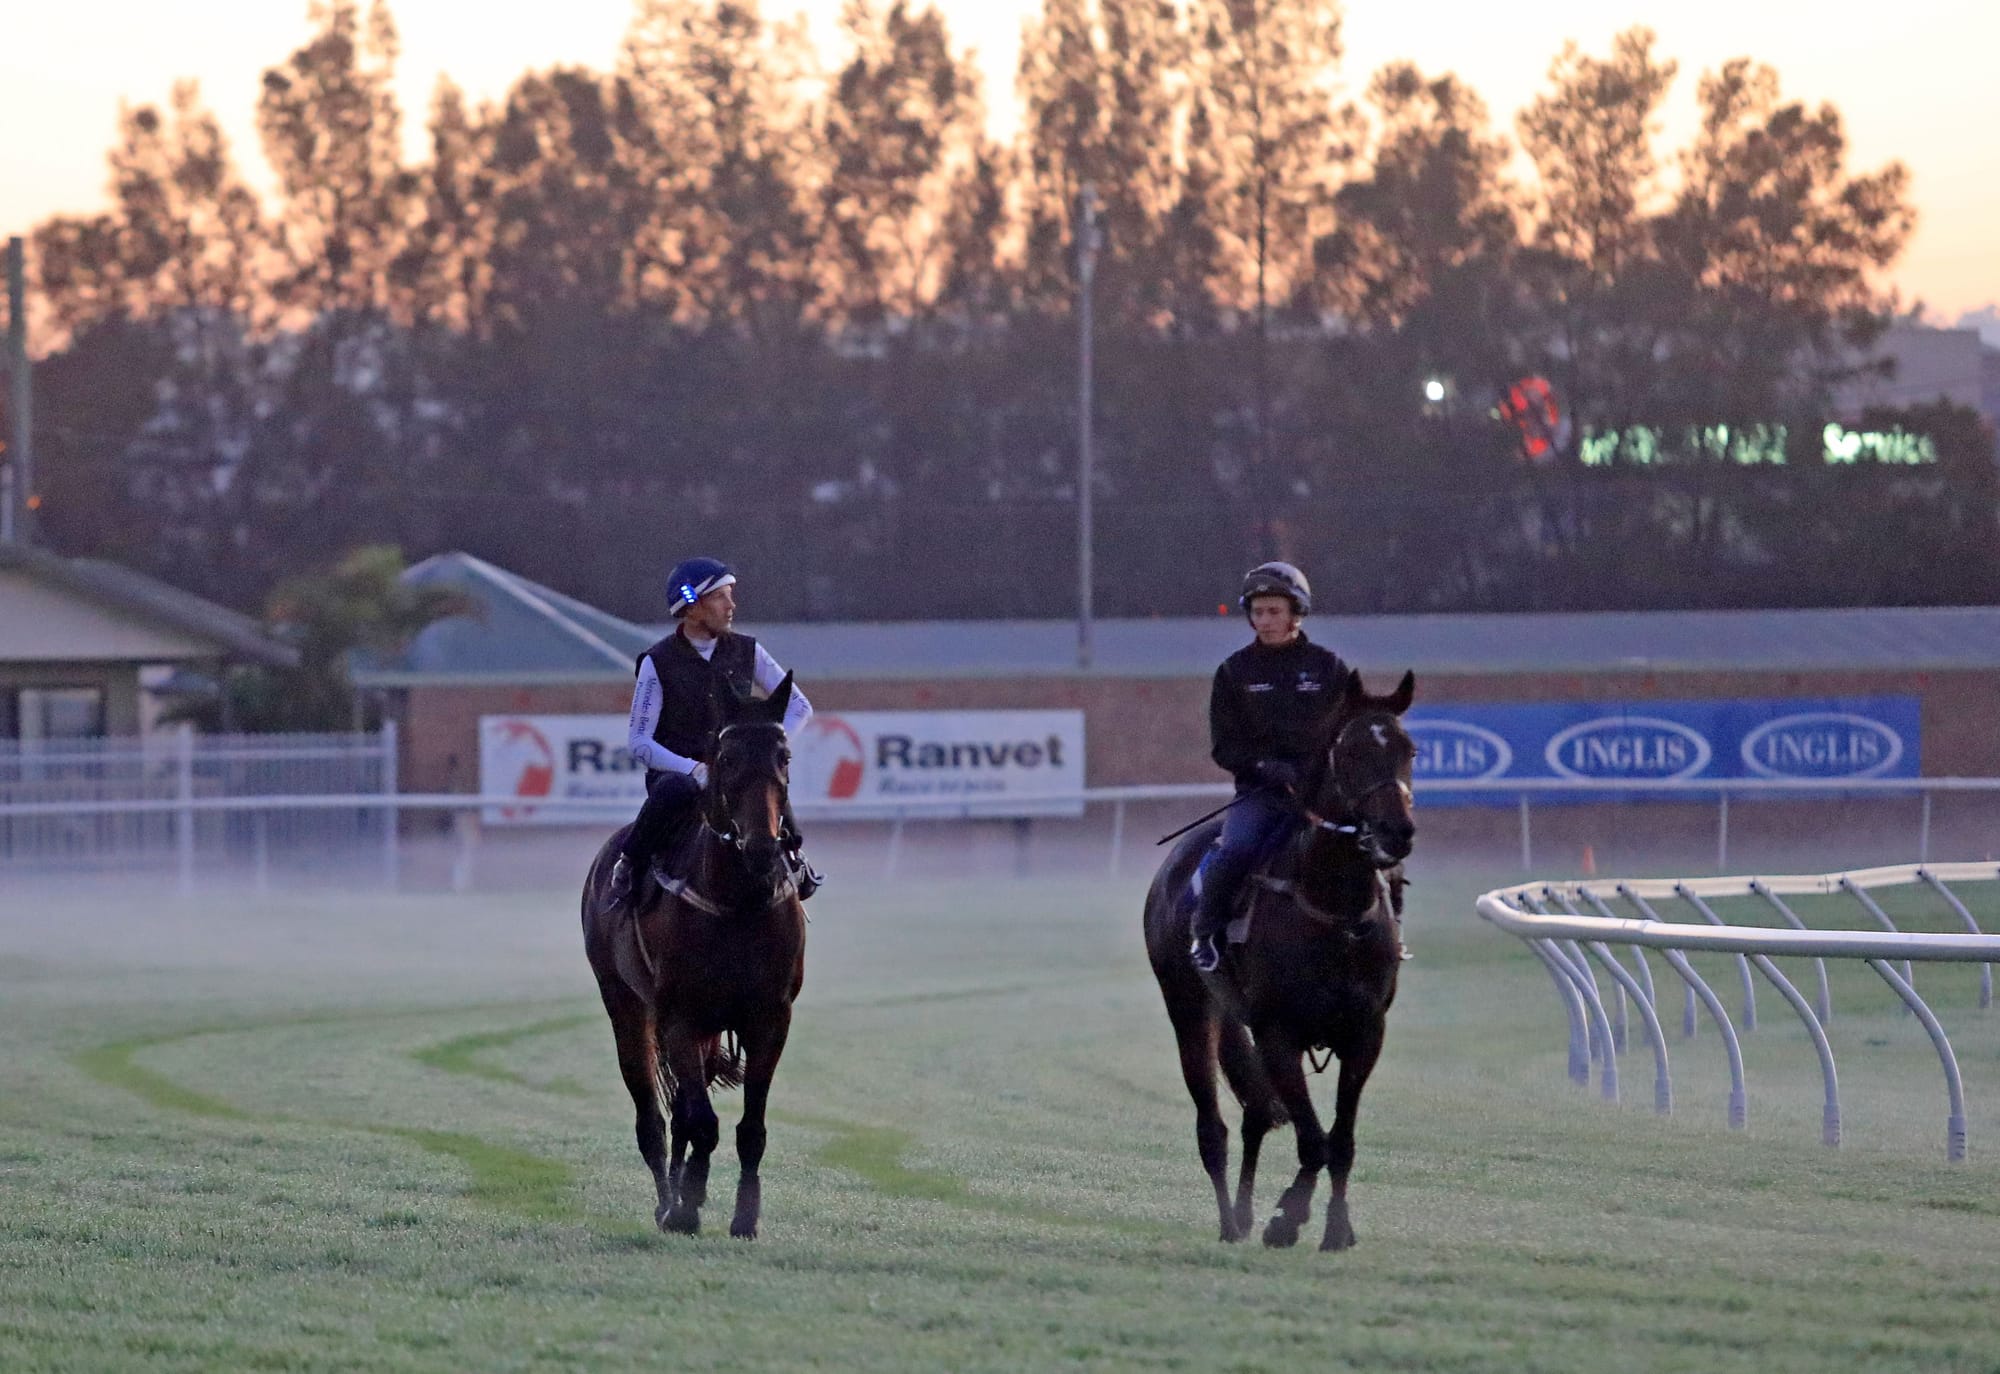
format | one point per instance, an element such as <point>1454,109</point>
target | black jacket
<point>691,687</point>
<point>1273,704</point>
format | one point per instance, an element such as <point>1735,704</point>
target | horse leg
<point>761,1053</point>
<point>1355,1067</point>
<point>1195,1031</point>
<point>695,1128</point>
<point>1253,1090</point>
<point>1282,1062</point>
<point>632,1029</point>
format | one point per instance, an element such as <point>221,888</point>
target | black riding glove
<point>1277,773</point>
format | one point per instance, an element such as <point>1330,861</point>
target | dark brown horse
<point>722,953</point>
<point>1318,970</point>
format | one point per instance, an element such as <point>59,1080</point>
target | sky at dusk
<point>1919,80</point>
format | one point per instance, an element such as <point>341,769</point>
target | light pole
<point>20,442</point>
<point>1088,241</point>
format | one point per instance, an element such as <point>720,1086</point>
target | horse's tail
<point>1243,1070</point>
<point>724,1059</point>
<point>721,1056</point>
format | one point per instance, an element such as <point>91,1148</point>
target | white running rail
<point>1571,926</point>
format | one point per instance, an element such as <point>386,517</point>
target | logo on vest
<point>1822,744</point>
<point>1635,748</point>
<point>1454,751</point>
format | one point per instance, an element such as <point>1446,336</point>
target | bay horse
<point>1318,970</point>
<point>718,950</point>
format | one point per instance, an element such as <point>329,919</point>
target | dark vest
<point>691,711</point>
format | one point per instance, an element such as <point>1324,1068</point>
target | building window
<point>56,713</point>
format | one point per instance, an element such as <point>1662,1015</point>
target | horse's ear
<point>1352,692</point>
<point>780,701</point>
<point>1405,693</point>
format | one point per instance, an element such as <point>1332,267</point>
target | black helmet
<point>1277,579</point>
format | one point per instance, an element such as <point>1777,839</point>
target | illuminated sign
<point>1753,445</point>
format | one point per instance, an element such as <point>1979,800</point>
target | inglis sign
<point>1628,747</point>
<point>860,764</point>
<point>1659,741</point>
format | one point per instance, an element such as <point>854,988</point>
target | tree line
<point>725,297</point>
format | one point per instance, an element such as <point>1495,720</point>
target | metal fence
<point>244,806</point>
<point>1568,941</point>
<point>185,799</point>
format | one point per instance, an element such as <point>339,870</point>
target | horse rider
<point>677,714</point>
<point>1267,711</point>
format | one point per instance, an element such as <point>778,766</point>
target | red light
<point>35,502</point>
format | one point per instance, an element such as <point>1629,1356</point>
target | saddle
<point>1277,872</point>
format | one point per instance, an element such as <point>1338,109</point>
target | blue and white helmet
<point>694,578</point>
<point>1277,579</point>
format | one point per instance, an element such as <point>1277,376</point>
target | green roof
<point>524,631</point>
<point>533,633</point>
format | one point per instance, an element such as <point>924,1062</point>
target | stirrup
<point>618,890</point>
<point>1204,954</point>
<point>805,877</point>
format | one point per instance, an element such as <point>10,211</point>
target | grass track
<point>311,1154</point>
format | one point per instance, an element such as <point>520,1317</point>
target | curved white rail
<point>1560,941</point>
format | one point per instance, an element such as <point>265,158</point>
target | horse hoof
<point>1281,1233</point>
<point>1231,1233</point>
<point>682,1221</point>
<point>1342,1241</point>
<point>742,1229</point>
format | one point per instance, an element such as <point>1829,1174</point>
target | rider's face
<point>1274,620</point>
<point>714,613</point>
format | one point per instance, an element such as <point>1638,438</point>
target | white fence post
<point>465,828</point>
<point>184,794</point>
<point>392,820</point>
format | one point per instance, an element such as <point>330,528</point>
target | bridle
<point>715,814</point>
<point>1350,820</point>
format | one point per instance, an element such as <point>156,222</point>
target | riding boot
<point>1220,877</point>
<point>805,877</point>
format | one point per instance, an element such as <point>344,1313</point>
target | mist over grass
<point>336,1131</point>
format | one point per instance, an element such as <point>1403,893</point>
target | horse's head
<point>748,778</point>
<point>1364,771</point>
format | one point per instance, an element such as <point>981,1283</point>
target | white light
<point>1434,391</point>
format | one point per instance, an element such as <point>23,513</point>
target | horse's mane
<point>1355,700</point>
<point>1314,779</point>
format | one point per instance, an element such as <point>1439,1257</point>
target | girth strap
<point>684,891</point>
<point>1285,887</point>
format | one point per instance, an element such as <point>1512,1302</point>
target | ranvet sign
<point>857,764</point>
<point>1820,739</point>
